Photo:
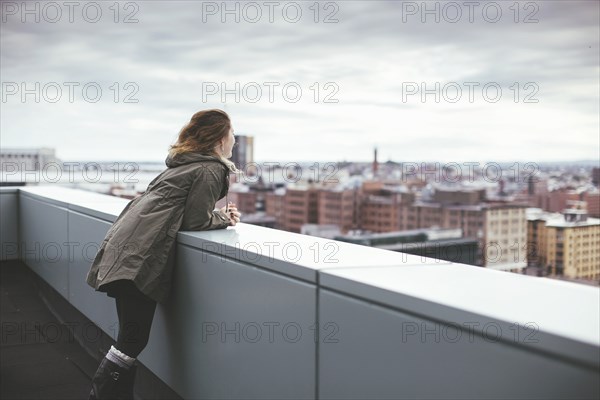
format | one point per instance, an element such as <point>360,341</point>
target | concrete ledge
<point>249,275</point>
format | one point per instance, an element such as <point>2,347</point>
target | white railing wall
<point>261,313</point>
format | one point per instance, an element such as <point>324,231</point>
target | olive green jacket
<point>140,244</point>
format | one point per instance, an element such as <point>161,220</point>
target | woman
<point>134,262</point>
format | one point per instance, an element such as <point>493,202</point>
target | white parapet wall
<point>261,313</point>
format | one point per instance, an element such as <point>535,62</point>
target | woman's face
<point>228,143</point>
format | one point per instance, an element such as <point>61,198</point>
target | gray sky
<point>372,57</point>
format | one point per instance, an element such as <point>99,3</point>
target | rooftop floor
<point>39,357</point>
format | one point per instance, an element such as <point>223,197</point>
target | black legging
<point>135,312</point>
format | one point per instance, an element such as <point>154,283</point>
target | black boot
<point>106,380</point>
<point>124,390</point>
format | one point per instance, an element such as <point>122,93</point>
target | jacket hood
<point>188,158</point>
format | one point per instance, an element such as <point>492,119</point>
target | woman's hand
<point>232,213</point>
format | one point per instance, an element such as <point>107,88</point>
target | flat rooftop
<point>39,357</point>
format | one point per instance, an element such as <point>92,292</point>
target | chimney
<point>375,162</point>
<point>501,186</point>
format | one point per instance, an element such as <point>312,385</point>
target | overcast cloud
<point>370,57</point>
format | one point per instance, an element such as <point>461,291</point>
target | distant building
<point>538,193</point>
<point>531,185</point>
<point>321,230</point>
<point>592,201</point>
<point>26,159</point>
<point>557,200</point>
<point>440,244</point>
<point>275,206</point>
<point>21,166</point>
<point>500,227</point>
<point>596,176</point>
<point>245,201</point>
<point>243,153</point>
<point>260,219</point>
<point>300,207</point>
<point>339,207</point>
<point>505,237</point>
<point>459,196</point>
<point>566,244</point>
<point>380,213</point>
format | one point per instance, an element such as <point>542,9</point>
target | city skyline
<point>586,163</point>
<point>372,58</point>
